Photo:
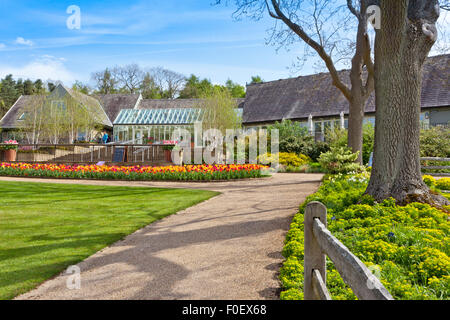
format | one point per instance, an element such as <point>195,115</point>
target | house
<point>127,117</point>
<point>66,115</point>
<point>299,98</point>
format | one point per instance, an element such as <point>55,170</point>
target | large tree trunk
<point>402,44</point>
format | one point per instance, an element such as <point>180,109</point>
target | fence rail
<point>89,153</point>
<point>438,159</point>
<point>319,243</point>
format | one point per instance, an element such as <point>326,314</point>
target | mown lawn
<point>44,228</point>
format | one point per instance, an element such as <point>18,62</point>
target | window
<point>58,105</point>
<point>318,127</point>
<point>22,117</point>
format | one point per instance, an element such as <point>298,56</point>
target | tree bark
<point>355,126</point>
<point>360,88</point>
<point>401,46</point>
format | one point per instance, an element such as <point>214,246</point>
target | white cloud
<point>24,42</point>
<point>2,46</point>
<point>44,67</point>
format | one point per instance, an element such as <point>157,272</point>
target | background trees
<point>220,111</point>
<point>8,94</point>
<point>105,83</point>
<point>324,27</point>
<point>159,83</point>
<point>11,90</point>
<point>199,88</point>
<point>128,77</point>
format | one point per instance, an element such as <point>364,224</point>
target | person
<point>105,137</point>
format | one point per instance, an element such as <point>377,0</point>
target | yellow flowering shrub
<point>443,184</point>
<point>285,158</point>
<point>409,245</point>
<point>429,180</point>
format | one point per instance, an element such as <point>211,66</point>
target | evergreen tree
<point>196,88</point>
<point>149,88</point>
<point>256,79</point>
<point>19,87</point>
<point>28,87</point>
<point>106,83</point>
<point>51,86</point>
<point>8,94</point>
<point>235,89</point>
<point>39,87</point>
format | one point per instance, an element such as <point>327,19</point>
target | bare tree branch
<point>353,10</point>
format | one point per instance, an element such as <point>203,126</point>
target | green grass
<point>44,228</point>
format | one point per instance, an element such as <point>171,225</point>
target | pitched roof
<point>93,104</point>
<point>113,103</point>
<point>175,103</point>
<point>9,120</point>
<point>158,116</point>
<point>297,98</point>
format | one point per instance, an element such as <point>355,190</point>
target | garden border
<point>319,242</point>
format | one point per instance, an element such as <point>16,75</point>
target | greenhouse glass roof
<point>158,116</point>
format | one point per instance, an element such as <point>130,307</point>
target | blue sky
<point>188,36</point>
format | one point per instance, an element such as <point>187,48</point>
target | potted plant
<point>168,152</point>
<point>10,147</point>
<point>149,140</point>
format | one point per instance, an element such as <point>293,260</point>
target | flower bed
<point>188,172</point>
<point>408,245</point>
<point>441,184</point>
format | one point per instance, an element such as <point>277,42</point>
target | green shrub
<point>340,160</point>
<point>435,142</point>
<point>315,148</point>
<point>291,294</point>
<point>337,137</point>
<point>293,138</point>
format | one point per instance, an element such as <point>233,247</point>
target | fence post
<point>314,257</point>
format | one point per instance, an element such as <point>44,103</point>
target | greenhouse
<point>153,125</point>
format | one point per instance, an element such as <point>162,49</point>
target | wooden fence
<point>436,167</point>
<point>319,243</point>
<point>90,153</point>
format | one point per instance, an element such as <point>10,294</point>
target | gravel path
<point>228,247</point>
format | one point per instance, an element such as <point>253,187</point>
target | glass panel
<point>318,126</point>
<point>336,124</point>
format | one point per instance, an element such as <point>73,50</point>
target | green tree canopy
<point>256,79</point>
